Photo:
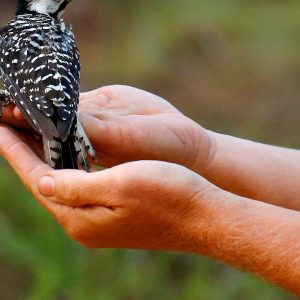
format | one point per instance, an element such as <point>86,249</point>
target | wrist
<point>202,220</point>
<point>250,235</point>
<point>215,223</point>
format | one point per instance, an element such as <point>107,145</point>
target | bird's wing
<point>41,71</point>
<point>34,116</point>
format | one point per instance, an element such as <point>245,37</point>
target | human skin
<point>126,124</point>
<point>162,206</point>
<point>158,205</point>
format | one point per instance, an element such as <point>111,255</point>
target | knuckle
<point>67,190</point>
<point>6,150</point>
<point>70,196</point>
<point>104,96</point>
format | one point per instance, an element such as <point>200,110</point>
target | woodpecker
<point>40,70</point>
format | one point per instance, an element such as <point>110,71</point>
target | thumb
<point>74,188</point>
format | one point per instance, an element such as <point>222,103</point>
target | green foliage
<point>232,65</point>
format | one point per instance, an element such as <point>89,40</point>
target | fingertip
<point>46,186</point>
<point>7,113</point>
<point>18,114</point>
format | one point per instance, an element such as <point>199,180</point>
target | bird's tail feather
<point>71,154</point>
<point>83,146</point>
<point>84,140</point>
<point>52,152</point>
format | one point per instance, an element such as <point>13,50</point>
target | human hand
<point>142,205</point>
<point>162,206</point>
<point>126,124</point>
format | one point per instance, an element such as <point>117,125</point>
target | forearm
<point>257,171</point>
<point>254,236</point>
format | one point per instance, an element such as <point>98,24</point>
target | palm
<point>127,124</point>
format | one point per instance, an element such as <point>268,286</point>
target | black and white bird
<point>40,69</point>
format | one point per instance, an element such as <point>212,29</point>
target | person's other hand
<point>127,124</point>
<point>142,205</point>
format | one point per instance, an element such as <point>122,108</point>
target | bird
<point>40,70</point>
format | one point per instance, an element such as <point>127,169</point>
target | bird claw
<point>4,100</point>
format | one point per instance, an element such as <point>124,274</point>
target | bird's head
<point>53,8</point>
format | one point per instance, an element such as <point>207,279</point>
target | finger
<point>19,155</point>
<point>26,164</point>
<point>113,147</point>
<point>33,142</point>
<point>124,100</point>
<point>77,188</point>
<point>9,117</point>
<point>7,112</point>
<point>123,139</point>
<point>108,145</point>
<point>18,114</point>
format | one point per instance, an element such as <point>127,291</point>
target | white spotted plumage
<point>39,65</point>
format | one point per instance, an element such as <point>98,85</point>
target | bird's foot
<point>4,100</point>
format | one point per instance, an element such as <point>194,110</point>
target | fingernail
<point>47,186</point>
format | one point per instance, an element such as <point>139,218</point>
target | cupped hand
<point>141,205</point>
<point>128,124</point>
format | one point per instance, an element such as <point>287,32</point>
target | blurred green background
<point>233,66</point>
